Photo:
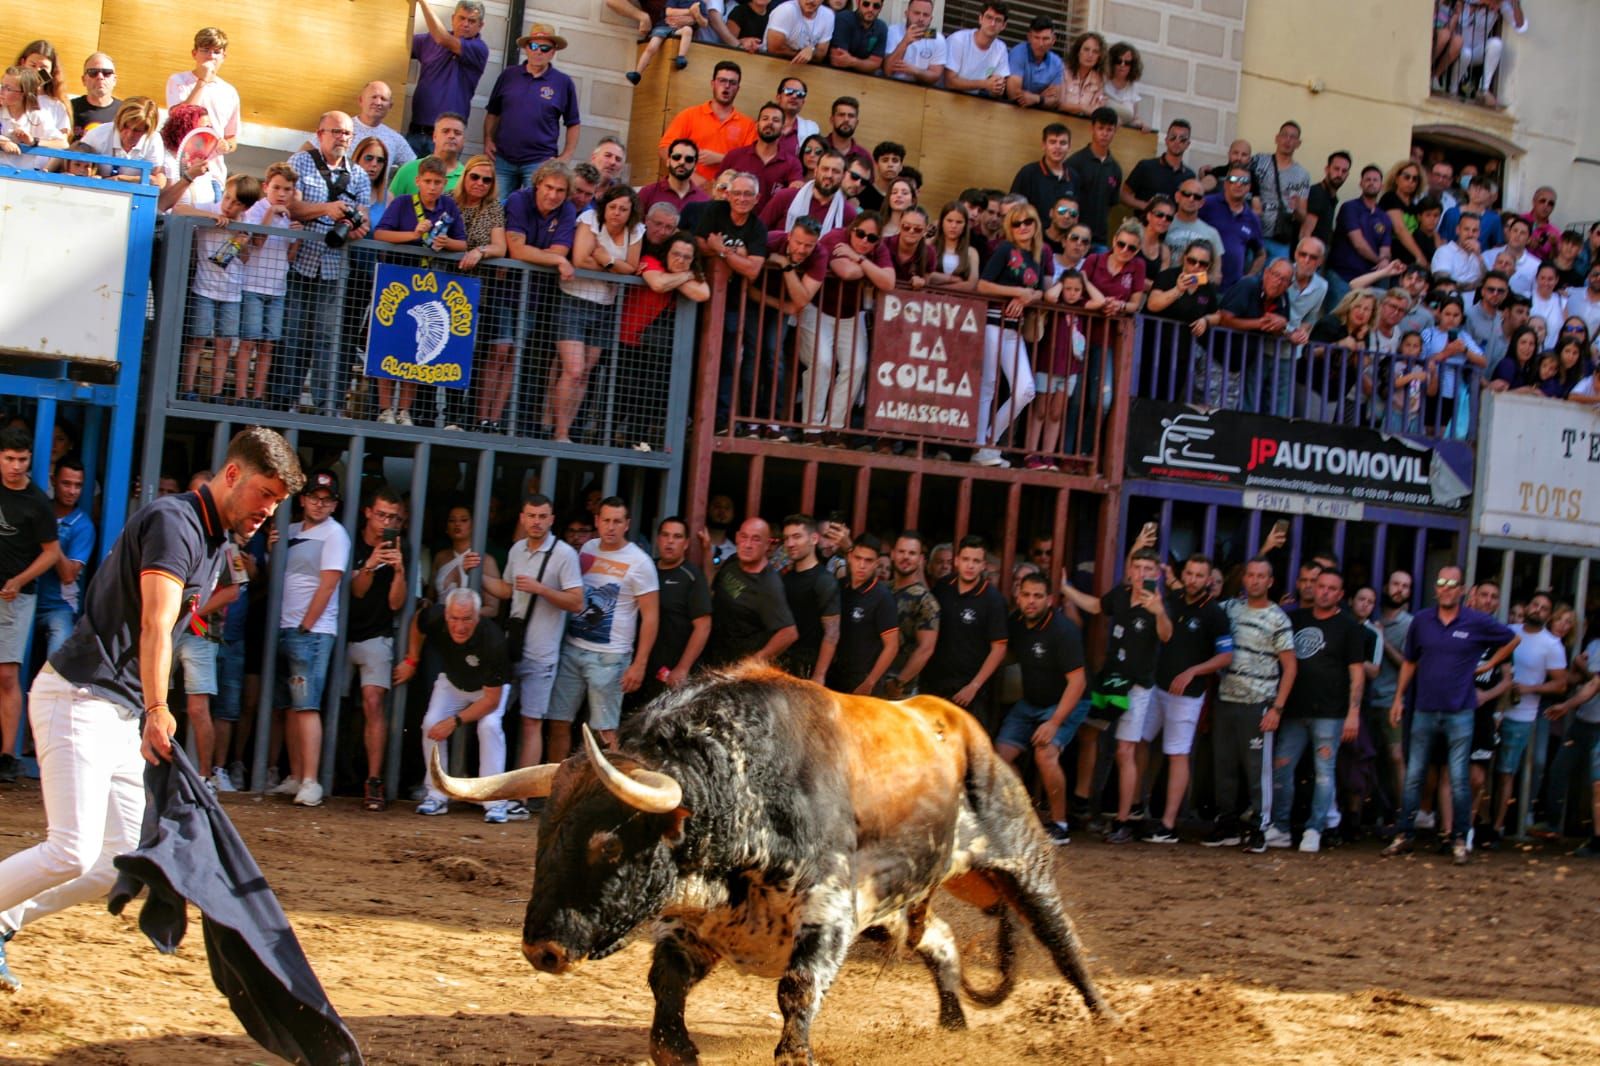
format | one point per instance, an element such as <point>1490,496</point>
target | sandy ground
<point>1211,957</point>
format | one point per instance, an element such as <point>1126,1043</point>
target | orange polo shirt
<point>709,133</point>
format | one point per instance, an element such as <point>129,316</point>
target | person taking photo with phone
<point>378,586</point>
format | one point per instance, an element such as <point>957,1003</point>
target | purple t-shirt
<point>445,81</point>
<point>541,231</point>
<point>531,111</point>
<point>401,215</point>
<point>1373,223</point>
<point>1447,657</point>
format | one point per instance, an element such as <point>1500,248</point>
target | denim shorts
<point>1513,743</point>
<point>535,679</point>
<point>212,318</point>
<point>260,317</point>
<point>302,669</point>
<point>1024,718</point>
<point>585,321</point>
<point>230,681</point>
<point>196,656</point>
<point>16,626</point>
<point>597,674</point>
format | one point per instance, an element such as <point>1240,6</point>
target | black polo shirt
<point>27,524</point>
<point>1325,205</point>
<point>1099,183</point>
<point>746,609</point>
<point>749,236</point>
<point>1152,176</point>
<point>866,616</point>
<point>1134,643</point>
<point>477,664</point>
<point>1046,652</point>
<point>1325,649</point>
<point>970,624</point>
<point>684,595</point>
<point>1043,188</point>
<point>812,595</point>
<point>370,615</point>
<point>180,537</point>
<point>1199,632</point>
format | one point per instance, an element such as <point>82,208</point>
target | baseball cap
<point>322,481</point>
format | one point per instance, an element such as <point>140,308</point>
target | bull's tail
<point>1006,949</point>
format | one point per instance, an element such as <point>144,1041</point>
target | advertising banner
<point>423,325</point>
<point>1541,475</point>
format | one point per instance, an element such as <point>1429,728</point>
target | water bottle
<point>229,251</point>
<point>440,230</point>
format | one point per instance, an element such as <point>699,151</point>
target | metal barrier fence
<point>1467,52</point>
<point>1327,382</point>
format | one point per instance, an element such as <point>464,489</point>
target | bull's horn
<point>647,790</point>
<point>526,783</point>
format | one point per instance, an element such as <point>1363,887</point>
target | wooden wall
<point>956,140</point>
<point>290,62</point>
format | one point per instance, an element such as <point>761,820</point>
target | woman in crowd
<point>1083,83</point>
<point>1330,367</point>
<point>1572,365</point>
<point>1450,350</point>
<point>1119,272</point>
<point>955,261</point>
<point>484,217</point>
<point>1076,254</point>
<point>609,239</point>
<point>131,135</point>
<point>1575,326</point>
<point>909,250</point>
<point>40,57</point>
<point>850,262</point>
<point>810,152</point>
<point>373,157</point>
<point>1548,303</point>
<point>1158,216</point>
<point>646,329</point>
<point>453,565</point>
<point>902,196</point>
<point>1400,190</point>
<point>1518,368</point>
<point>192,182</point>
<point>1186,293</point>
<point>1122,83</point>
<point>1015,281</point>
<point>1058,372</point>
<point>23,125</point>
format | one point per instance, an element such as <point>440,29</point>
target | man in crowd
<point>1480,201</point>
<point>1187,226</point>
<point>1243,245</point>
<point>676,184</point>
<point>764,157</point>
<point>1049,653</point>
<point>527,108</point>
<point>1393,622</point>
<point>797,129</point>
<point>660,223</point>
<point>869,625</point>
<point>1257,681</point>
<point>860,38</point>
<point>1201,645</point>
<point>449,138</point>
<point>1281,185</point>
<point>685,614</point>
<point>843,119</point>
<point>1461,259</point>
<point>1256,304</point>
<point>821,198</point>
<point>972,635</point>
<point>1324,707</point>
<point>1036,69</point>
<point>917,609</point>
<point>715,127</point>
<point>1441,183</point>
<point>1097,175</point>
<point>540,222</point>
<point>450,63</point>
<point>377,592</point>
<point>800,32</point>
<point>730,231</point>
<point>60,595</point>
<point>608,642</point>
<point>813,597</point>
<point>1491,683</point>
<point>1239,155</point>
<point>99,103</point>
<point>1538,670</point>
<point>1322,200</point>
<point>1162,174</point>
<point>888,157</point>
<point>204,87</point>
<point>1444,652</point>
<point>749,615</point>
<point>785,288</point>
<point>471,690</point>
<point>1525,265</point>
<point>372,107</point>
<point>1047,181</point>
<point>29,546</point>
<point>977,61</point>
<point>1361,235</point>
<point>1584,301</point>
<point>916,49</point>
<point>1544,235</point>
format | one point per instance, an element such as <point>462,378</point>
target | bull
<point>765,820</point>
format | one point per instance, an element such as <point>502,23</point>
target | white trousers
<point>92,777</point>
<point>1003,353</point>
<point>836,358</point>
<point>448,700</point>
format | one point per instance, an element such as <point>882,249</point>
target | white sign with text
<point>1541,470</point>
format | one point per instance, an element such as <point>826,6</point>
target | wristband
<point>153,706</point>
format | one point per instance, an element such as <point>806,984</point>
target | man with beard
<point>844,117</point>
<point>797,129</point>
<point>1361,236</point>
<point>813,597</point>
<point>1393,622</point>
<point>1322,201</point>
<point>715,541</point>
<point>972,635</point>
<point>820,198</point>
<point>916,49</point>
<point>715,127</point>
<point>1243,252</point>
<point>1239,155</point>
<point>685,615</point>
<point>869,630</point>
<point>1538,668</point>
<point>87,702</point>
<point>918,611</point>
<point>1188,226</point>
<point>1483,319</point>
<point>765,157</point>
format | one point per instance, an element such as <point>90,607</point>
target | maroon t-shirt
<point>1123,285</point>
<point>920,265</point>
<point>840,298</point>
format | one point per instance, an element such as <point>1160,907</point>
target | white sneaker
<point>220,781</point>
<point>310,795</point>
<point>1277,838</point>
<point>403,418</point>
<point>431,806</point>
<point>989,457</point>
<point>1310,841</point>
<point>1426,820</point>
<point>237,775</point>
<point>496,813</point>
<point>289,786</point>
<point>386,416</point>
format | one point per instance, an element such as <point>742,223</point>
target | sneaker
<point>386,416</point>
<point>989,457</point>
<point>403,418</point>
<point>236,774</point>
<point>495,814</point>
<point>310,795</point>
<point>1543,831</point>
<point>633,77</point>
<point>1160,834</point>
<point>1033,462</point>
<point>1311,841</point>
<point>1223,838</point>
<point>9,982</point>
<point>289,786</point>
<point>1058,834</point>
<point>1255,842</point>
<point>8,769</point>
<point>1425,820</point>
<point>679,62</point>
<point>220,781</point>
<point>516,811</point>
<point>1459,853</point>
<point>1590,849</point>
<point>1277,838</point>
<point>210,785</point>
<point>1121,833</point>
<point>372,797</point>
<point>431,806</point>
<point>1400,845</point>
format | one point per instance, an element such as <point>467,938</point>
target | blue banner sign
<point>423,325</point>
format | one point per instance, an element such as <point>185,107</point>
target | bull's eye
<point>605,849</point>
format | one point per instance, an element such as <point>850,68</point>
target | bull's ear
<point>674,831</point>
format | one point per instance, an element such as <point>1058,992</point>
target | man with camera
<point>333,195</point>
<point>377,592</point>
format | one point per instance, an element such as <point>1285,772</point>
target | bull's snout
<point>547,956</point>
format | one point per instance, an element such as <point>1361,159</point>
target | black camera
<point>340,233</point>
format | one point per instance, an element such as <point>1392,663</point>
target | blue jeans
<point>57,623</point>
<point>509,176</point>
<point>1456,728</point>
<point>1293,737</point>
<point>230,681</point>
<point>313,311</point>
<point>302,669</point>
<point>759,354</point>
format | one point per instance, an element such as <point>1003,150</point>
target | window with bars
<point>1071,18</point>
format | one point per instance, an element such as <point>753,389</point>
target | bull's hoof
<point>674,1051</point>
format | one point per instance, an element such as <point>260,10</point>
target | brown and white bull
<point>767,821</point>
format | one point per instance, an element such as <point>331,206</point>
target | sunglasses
<point>482,179</point>
<point>1191,195</point>
<point>1196,261</point>
<point>1019,223</point>
<point>1234,179</point>
<point>370,158</point>
<point>539,47</point>
<point>870,238</point>
<point>1127,246</point>
<point>1067,211</point>
<point>1124,61</point>
<point>1164,216</point>
<point>1448,583</point>
<point>680,158</point>
<point>798,94</point>
<point>99,72</point>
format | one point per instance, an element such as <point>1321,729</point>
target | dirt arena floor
<point>1211,957</point>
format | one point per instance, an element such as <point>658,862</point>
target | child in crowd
<point>1405,388</point>
<point>1058,380</point>
<point>1450,350</point>
<point>662,29</point>
<point>218,286</point>
<point>22,124</point>
<point>1548,379</point>
<point>265,286</point>
<point>204,87</point>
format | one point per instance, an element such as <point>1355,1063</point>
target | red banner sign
<point>927,362</point>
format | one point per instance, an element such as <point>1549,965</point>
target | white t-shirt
<point>1584,388</point>
<point>36,124</point>
<point>922,54</point>
<point>705,34</point>
<point>267,273</point>
<point>224,284</point>
<point>543,640</point>
<point>1531,662</point>
<point>325,546</point>
<point>613,581</point>
<point>1578,303</point>
<point>1522,277</point>
<point>1466,268</point>
<point>103,140</point>
<point>60,118</point>
<point>220,100</point>
<point>601,292</point>
<point>1553,309</point>
<point>963,57</point>
<point>799,31</point>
